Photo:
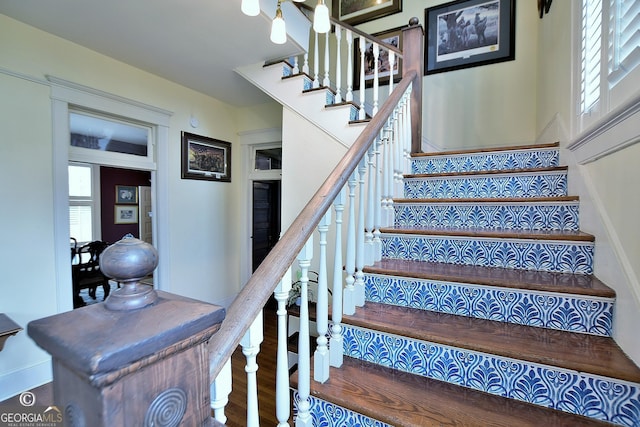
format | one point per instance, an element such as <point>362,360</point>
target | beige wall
<point>605,180</point>
<point>201,222</point>
<point>487,106</point>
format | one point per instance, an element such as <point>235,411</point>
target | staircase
<point>483,310</point>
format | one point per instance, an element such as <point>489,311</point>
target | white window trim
<point>616,124</point>
<point>96,205</point>
<point>65,94</point>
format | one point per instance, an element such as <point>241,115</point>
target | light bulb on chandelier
<point>250,7</point>
<point>278,28</point>
<point>321,21</point>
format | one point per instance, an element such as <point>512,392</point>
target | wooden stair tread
<point>575,351</point>
<point>493,233</point>
<point>505,200</point>
<point>403,399</point>
<point>487,150</point>
<point>579,284</point>
<point>488,172</point>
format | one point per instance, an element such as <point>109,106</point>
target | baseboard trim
<point>21,380</point>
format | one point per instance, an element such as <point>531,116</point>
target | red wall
<point>109,178</point>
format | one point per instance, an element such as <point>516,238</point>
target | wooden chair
<point>86,273</point>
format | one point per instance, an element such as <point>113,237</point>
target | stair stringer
<point>289,92</point>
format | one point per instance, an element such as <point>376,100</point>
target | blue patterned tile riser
<point>327,414</point>
<point>308,83</point>
<point>515,185</point>
<point>512,216</point>
<point>593,396</point>
<point>331,97</point>
<point>286,70</point>
<point>355,113</point>
<point>555,256</point>
<point>486,161</point>
<point>572,313</point>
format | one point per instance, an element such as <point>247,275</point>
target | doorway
<point>266,219</point>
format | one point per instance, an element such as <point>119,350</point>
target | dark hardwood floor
<point>236,409</point>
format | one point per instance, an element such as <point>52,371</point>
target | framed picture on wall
<point>391,37</point>
<point>126,194</point>
<point>469,33</point>
<point>126,214</point>
<point>354,12</point>
<point>205,158</point>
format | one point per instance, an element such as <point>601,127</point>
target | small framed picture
<point>126,194</point>
<point>126,214</point>
<point>355,12</point>
<point>392,38</point>
<point>205,158</point>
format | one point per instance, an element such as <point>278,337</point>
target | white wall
<point>605,179</point>
<point>201,222</point>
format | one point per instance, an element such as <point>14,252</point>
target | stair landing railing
<point>360,191</point>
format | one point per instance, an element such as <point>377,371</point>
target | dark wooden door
<point>266,219</point>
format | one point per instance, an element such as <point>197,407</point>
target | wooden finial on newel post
<point>413,59</point>
<point>139,359</point>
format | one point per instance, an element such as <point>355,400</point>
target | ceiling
<point>195,43</point>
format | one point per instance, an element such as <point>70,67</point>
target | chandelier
<point>321,21</point>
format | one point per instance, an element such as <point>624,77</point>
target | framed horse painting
<point>469,33</point>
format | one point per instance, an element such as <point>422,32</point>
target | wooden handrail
<point>346,26</point>
<point>259,288</point>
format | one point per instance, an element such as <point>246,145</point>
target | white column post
<point>283,400</point>
<point>335,344</point>
<point>304,358</point>
<point>250,348</point>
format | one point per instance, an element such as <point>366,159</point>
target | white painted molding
<point>618,130</point>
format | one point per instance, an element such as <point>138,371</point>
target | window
<point>610,56</point>
<point>82,202</point>
<point>268,158</point>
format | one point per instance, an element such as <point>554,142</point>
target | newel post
<point>139,359</point>
<point>413,60</point>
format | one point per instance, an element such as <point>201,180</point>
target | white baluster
<point>250,348</point>
<point>296,69</point>
<point>338,64</point>
<point>407,146</point>
<point>377,243</point>
<point>399,149</point>
<point>283,400</point>
<point>390,166</point>
<point>305,63</point>
<point>304,358</point>
<point>363,45</point>
<point>349,95</point>
<point>325,81</point>
<point>335,344</point>
<point>376,77</point>
<point>316,62</point>
<point>359,283</point>
<point>220,390</point>
<point>350,263</point>
<point>386,163</point>
<point>321,355</point>
<point>368,234</point>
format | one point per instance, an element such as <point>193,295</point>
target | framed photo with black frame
<point>205,158</point>
<point>354,12</point>
<point>391,37</point>
<point>469,33</point>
